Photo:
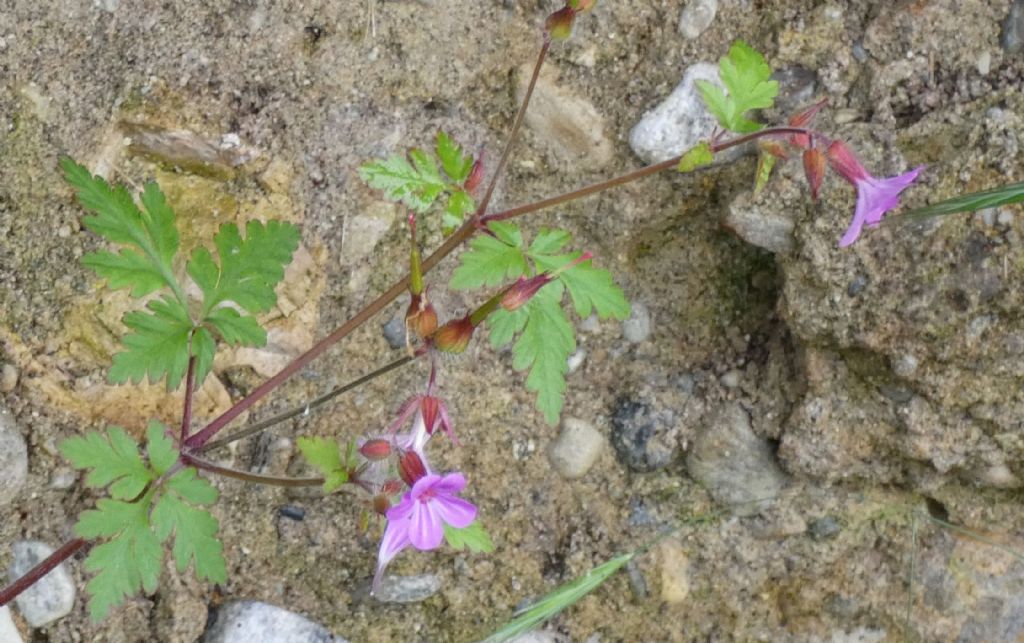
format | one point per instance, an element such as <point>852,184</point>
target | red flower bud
<point>429,407</point>
<point>454,336</point>
<point>476,175</point>
<point>524,290</point>
<point>391,487</point>
<point>559,24</point>
<point>814,170</point>
<point>411,467</point>
<point>376,449</point>
<point>420,317</point>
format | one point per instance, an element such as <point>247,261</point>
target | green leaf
<point>250,268</point>
<point>765,164</point>
<point>549,242</point>
<point>159,345</point>
<point>195,530</point>
<point>114,461</point>
<point>151,232</point>
<point>697,156</point>
<point>491,260</point>
<point>456,164</point>
<point>1002,195</point>
<point>746,77</point>
<point>401,181</point>
<point>503,324</point>
<point>325,455</point>
<point>203,347</point>
<point>162,454</point>
<point>459,205</point>
<point>129,561</point>
<point>236,329</point>
<point>546,342</point>
<point>558,600</point>
<point>590,288</point>
<point>473,538</point>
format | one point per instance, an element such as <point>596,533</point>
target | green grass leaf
<point>746,77</point>
<point>325,455</point>
<point>158,346</point>
<point>129,561</point>
<point>150,233</point>
<point>970,202</point>
<point>114,460</point>
<point>491,260</point>
<point>543,347</point>
<point>563,597</point>
<point>472,538</point>
<point>195,530</point>
<point>456,164</point>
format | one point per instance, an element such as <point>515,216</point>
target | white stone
<point>638,327</point>
<point>255,622</point>
<point>679,122</point>
<point>696,17</point>
<point>576,448</point>
<point>8,630</point>
<point>50,598</point>
<point>13,459</point>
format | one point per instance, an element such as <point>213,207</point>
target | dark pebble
<point>292,512</point>
<point>824,528</point>
<point>640,436</point>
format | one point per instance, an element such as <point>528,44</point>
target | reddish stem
<point>258,478</point>
<point>186,413</point>
<point>44,567</point>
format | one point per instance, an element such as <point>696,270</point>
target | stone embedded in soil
<point>407,589</point>
<point>761,224</point>
<point>677,123</point>
<point>638,327</point>
<point>675,571</point>
<point>394,332</point>
<point>696,17</point>
<point>796,89</point>
<point>576,448</point>
<point>13,459</point>
<point>256,622</point>
<point>824,528</point>
<point>1012,37</point>
<point>8,630</point>
<point>49,599</point>
<point>736,466</point>
<point>8,378</point>
<point>644,438</point>
<point>567,125</point>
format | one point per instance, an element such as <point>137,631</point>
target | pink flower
<point>875,196</point>
<point>419,519</point>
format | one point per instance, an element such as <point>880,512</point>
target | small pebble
<point>63,478</point>
<point>984,63</point>
<point>1005,217</point>
<point>8,630</point>
<point>1012,38</point>
<point>824,528</point>
<point>576,360</point>
<point>857,285</point>
<point>407,589</point>
<point>256,622</point>
<point>394,332</point>
<point>731,379</point>
<point>696,17</point>
<point>988,216</point>
<point>8,378</point>
<point>905,366</point>
<point>638,327</point>
<point>292,512</point>
<point>13,459</point>
<point>49,599</point>
<point>859,53</point>
<point>576,449</point>
<point>644,438</point>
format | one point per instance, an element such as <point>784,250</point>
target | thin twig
<point>312,404</point>
<point>44,567</point>
<point>258,478</point>
<point>190,380</point>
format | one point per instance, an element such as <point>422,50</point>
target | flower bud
<point>411,467</point>
<point>376,449</point>
<point>429,407</point>
<point>476,175</point>
<point>420,317</point>
<point>391,487</point>
<point>814,169</point>
<point>523,290</point>
<point>775,148</point>
<point>559,24</point>
<point>454,336</point>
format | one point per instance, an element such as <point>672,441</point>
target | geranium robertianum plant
<point>158,495</point>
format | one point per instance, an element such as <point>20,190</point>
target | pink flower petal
<point>452,483</point>
<point>455,511</point>
<point>396,538</point>
<point>425,528</point>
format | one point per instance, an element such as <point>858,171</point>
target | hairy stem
<point>258,478</point>
<point>305,408</point>
<point>44,567</point>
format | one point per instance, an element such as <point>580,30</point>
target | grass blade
<point>1012,193</point>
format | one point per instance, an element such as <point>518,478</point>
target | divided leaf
<point>159,345</point>
<point>114,460</point>
<point>697,156</point>
<point>325,455</point>
<point>746,77</point>
<point>456,164</point>
<point>491,260</point>
<point>195,530</point>
<point>151,232</point>
<point>544,347</point>
<point>473,538</point>
<point>589,288</point>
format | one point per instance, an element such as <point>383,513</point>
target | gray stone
<point>50,598</point>
<point>394,331</point>
<point>696,17</point>
<point>568,126</point>
<point>736,466</point>
<point>758,224</point>
<point>731,378</point>
<point>13,459</point>
<point>824,528</point>
<point>407,589</point>
<point>576,448</point>
<point>256,622</point>
<point>638,327</point>
<point>8,630</point>
<point>1013,28</point>
<point>8,378</point>
<point>679,122</point>
<point>644,438</point>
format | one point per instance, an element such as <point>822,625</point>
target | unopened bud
<point>429,407</point>
<point>559,24</point>
<point>420,317</point>
<point>381,504</point>
<point>391,487</point>
<point>814,169</point>
<point>804,118</point>
<point>454,336</point>
<point>476,175</point>
<point>376,449</point>
<point>411,467</point>
<point>523,290</point>
<point>775,148</point>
